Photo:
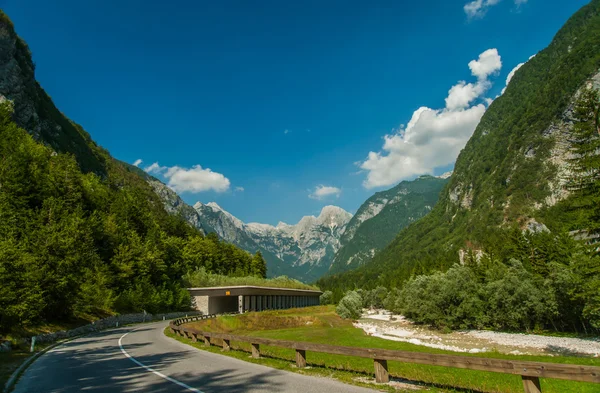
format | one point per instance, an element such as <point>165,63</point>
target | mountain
<point>511,195</point>
<point>34,109</point>
<point>303,251</point>
<point>382,216</point>
<point>83,235</point>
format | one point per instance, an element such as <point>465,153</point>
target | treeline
<point>487,294</point>
<point>78,245</point>
<point>490,294</point>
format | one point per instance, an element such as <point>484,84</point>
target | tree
<point>326,298</point>
<point>586,156</point>
<point>350,307</point>
<point>258,265</point>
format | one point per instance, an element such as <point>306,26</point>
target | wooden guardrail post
<point>194,337</point>
<point>381,371</point>
<point>531,384</point>
<point>300,358</point>
<point>255,351</point>
<point>530,372</point>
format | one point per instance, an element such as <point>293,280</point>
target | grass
<point>201,278</point>
<point>275,360</point>
<point>9,362</point>
<point>321,325</point>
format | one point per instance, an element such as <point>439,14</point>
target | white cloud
<point>239,189</point>
<point>194,180</point>
<point>286,131</point>
<point>478,8</point>
<point>434,137</point>
<point>137,162</point>
<point>322,192</point>
<point>489,63</point>
<point>462,94</point>
<point>155,168</point>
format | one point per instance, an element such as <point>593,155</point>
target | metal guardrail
<point>530,372</point>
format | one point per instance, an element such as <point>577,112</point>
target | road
<point>142,358</point>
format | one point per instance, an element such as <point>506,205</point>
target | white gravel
<point>382,324</point>
<point>561,345</point>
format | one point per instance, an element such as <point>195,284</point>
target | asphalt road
<point>135,359</point>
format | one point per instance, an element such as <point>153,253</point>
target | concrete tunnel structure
<point>244,298</point>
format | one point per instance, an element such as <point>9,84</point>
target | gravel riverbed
<point>379,323</point>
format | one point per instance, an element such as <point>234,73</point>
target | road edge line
<point>9,385</point>
<point>155,372</point>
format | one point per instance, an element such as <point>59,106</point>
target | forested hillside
<point>381,217</point>
<point>525,188</point>
<point>81,234</point>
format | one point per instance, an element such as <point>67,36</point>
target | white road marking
<point>183,385</point>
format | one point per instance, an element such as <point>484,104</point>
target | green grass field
<point>322,325</point>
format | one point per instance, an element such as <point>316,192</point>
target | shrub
<point>350,307</point>
<point>326,298</point>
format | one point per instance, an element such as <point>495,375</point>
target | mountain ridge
<point>382,216</point>
<point>512,174</point>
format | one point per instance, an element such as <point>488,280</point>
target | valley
<point>455,251</point>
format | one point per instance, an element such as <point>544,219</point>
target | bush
<point>506,297</point>
<point>350,307</point>
<point>326,298</point>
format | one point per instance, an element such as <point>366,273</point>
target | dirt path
<point>395,327</point>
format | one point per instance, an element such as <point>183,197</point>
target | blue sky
<point>278,98</point>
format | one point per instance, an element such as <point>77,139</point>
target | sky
<point>274,109</point>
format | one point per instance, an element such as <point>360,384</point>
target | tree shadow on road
<point>96,363</point>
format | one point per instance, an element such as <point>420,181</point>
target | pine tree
<point>259,265</point>
<point>586,156</point>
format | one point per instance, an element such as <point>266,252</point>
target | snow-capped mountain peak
<point>307,247</point>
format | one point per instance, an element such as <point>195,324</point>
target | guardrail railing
<point>530,372</point>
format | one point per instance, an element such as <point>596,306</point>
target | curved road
<point>142,358</point>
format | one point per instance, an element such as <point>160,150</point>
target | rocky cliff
<point>33,108</point>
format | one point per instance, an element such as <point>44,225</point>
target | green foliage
<point>489,294</point>
<point>404,204</point>
<point>350,307</point>
<point>326,298</point>
<point>202,278</point>
<point>259,265</point>
<point>502,182</point>
<point>586,160</point>
<point>74,244</point>
<point>374,298</point>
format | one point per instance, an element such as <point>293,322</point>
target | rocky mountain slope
<point>303,251</point>
<point>332,242</point>
<point>33,108</point>
<point>382,216</point>
<point>512,178</point>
